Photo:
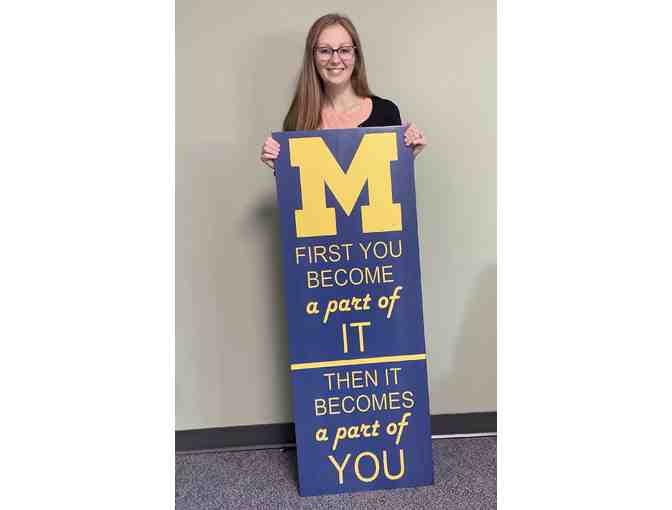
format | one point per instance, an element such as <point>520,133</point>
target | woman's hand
<point>270,151</point>
<point>415,138</point>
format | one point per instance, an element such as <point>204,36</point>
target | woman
<point>333,91</point>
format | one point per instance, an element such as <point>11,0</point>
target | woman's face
<point>335,67</point>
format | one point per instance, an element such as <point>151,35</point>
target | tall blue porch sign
<point>354,308</point>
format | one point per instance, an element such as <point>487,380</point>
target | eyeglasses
<point>325,53</point>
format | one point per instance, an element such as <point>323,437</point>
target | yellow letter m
<point>318,167</point>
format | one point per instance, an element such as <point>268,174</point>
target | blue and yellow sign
<point>354,309</point>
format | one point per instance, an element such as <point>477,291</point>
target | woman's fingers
<point>413,136</point>
<point>270,149</point>
<point>271,143</point>
<point>408,134</point>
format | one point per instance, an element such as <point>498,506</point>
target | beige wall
<point>235,68</point>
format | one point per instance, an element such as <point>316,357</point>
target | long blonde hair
<point>309,97</point>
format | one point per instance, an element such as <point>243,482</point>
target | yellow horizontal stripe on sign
<point>358,361</point>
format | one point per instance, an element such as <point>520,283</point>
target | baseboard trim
<point>281,435</point>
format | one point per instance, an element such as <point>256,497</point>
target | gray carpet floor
<point>465,477</point>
